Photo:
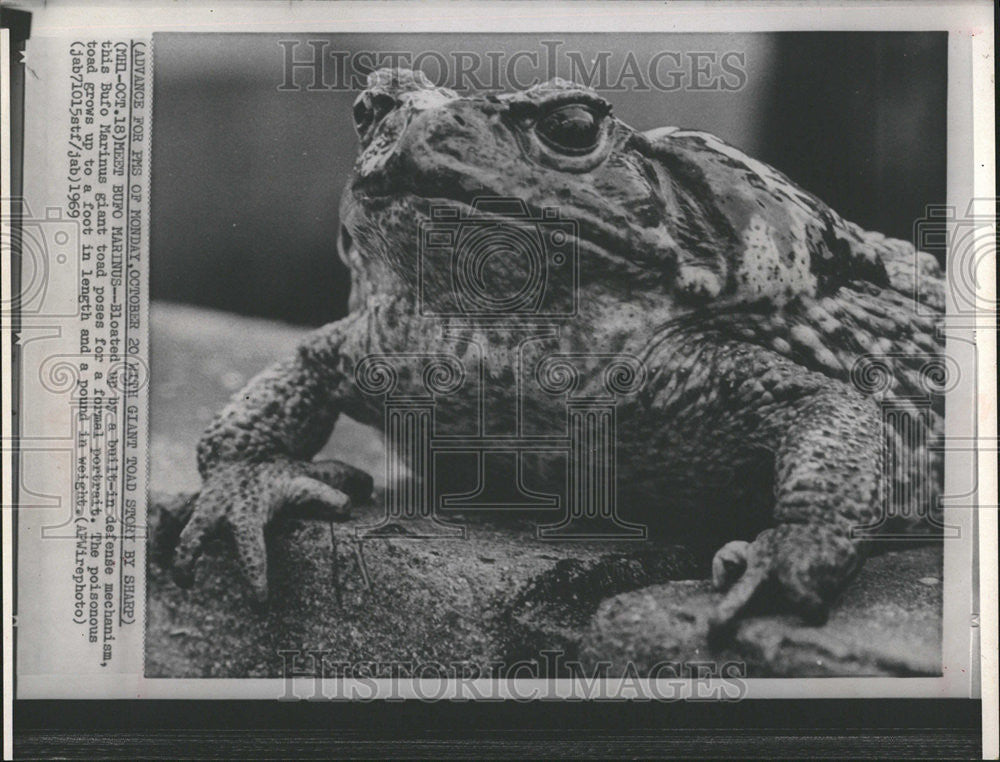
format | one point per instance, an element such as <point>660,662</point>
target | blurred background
<point>246,177</point>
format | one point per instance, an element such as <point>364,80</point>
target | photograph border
<point>767,727</point>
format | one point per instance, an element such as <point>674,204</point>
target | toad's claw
<point>355,483</point>
<point>805,565</point>
<point>744,569</point>
<point>729,564</point>
<point>243,499</point>
<point>251,549</point>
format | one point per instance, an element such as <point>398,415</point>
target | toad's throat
<point>408,222</point>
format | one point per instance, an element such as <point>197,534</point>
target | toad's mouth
<point>605,250</point>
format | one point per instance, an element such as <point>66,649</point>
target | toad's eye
<point>572,129</point>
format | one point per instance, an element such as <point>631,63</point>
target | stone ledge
<point>502,595</point>
<point>887,623</point>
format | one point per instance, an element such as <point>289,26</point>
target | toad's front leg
<point>828,445</point>
<point>735,400</point>
<point>255,457</point>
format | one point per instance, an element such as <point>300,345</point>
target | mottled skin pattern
<point>748,300</point>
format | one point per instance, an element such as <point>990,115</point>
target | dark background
<point>763,729</point>
<point>247,178</point>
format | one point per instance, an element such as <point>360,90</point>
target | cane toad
<point>748,302</point>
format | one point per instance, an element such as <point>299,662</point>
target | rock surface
<point>501,595</point>
<point>384,595</point>
<point>888,623</point>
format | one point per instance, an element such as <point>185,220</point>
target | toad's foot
<point>805,565</point>
<point>244,498</point>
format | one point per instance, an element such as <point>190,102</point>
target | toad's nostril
<point>370,109</point>
<point>362,114</point>
<point>382,104</point>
